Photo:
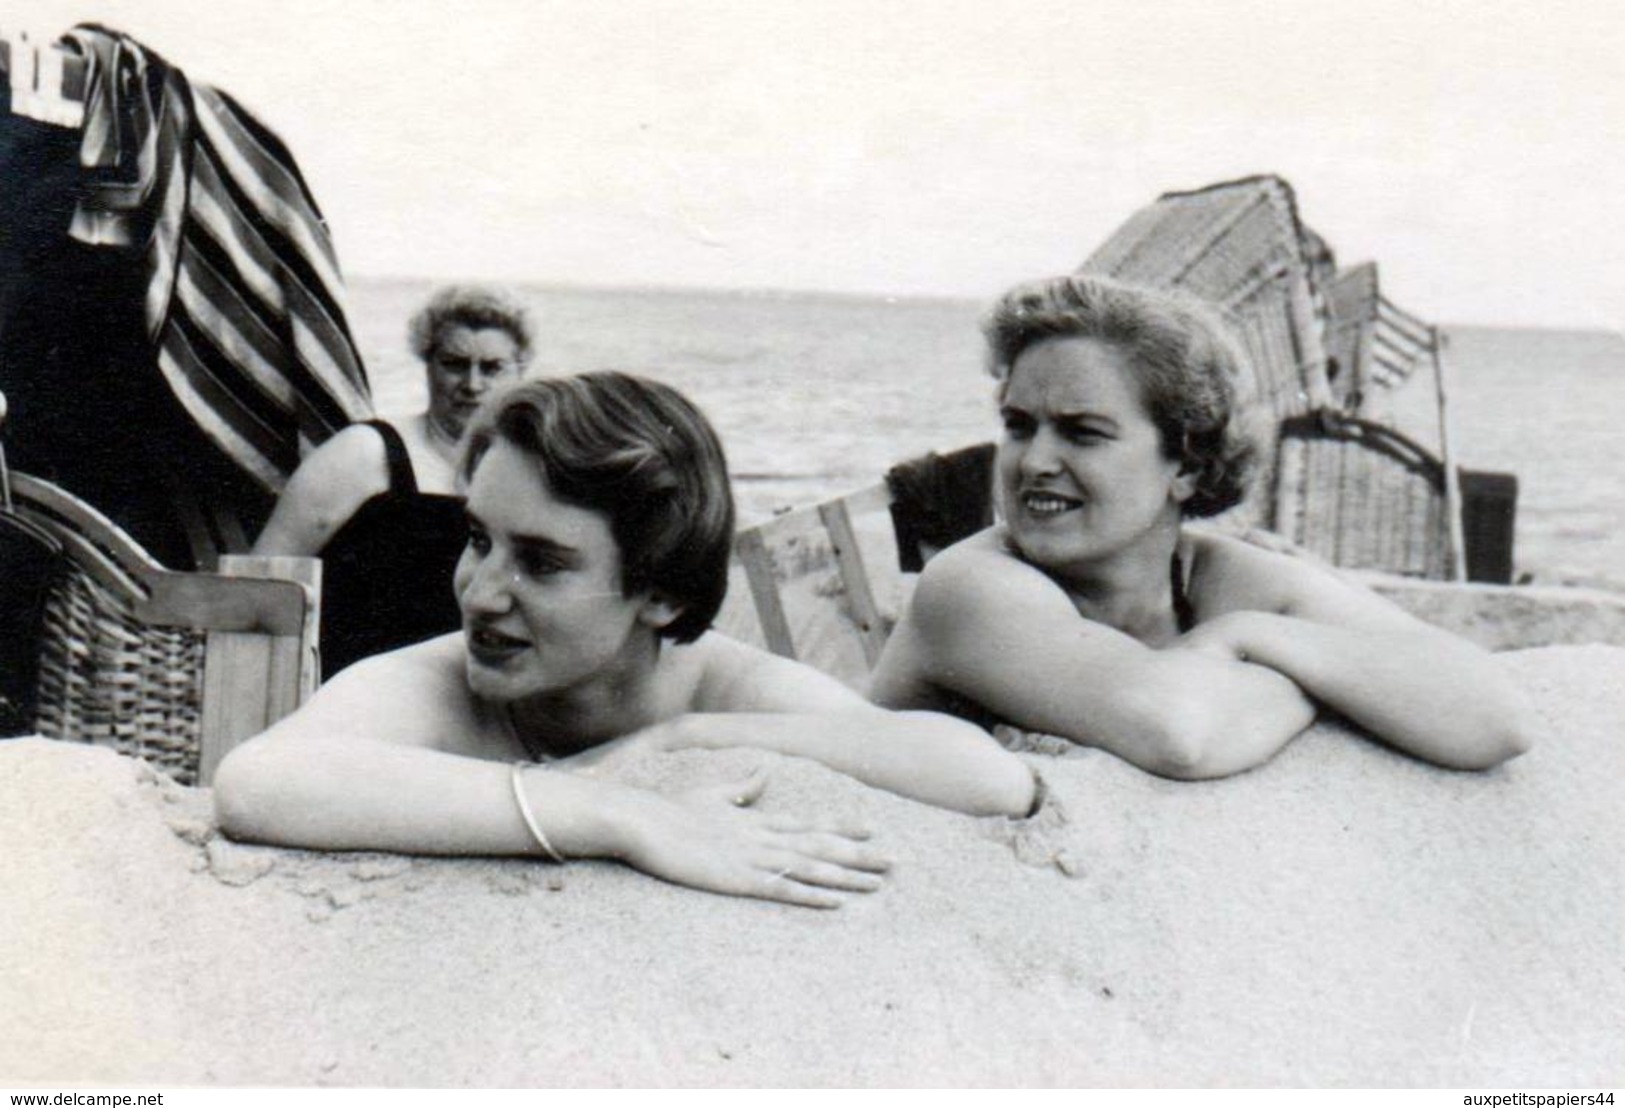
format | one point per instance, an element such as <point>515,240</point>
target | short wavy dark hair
<point>1189,364</point>
<point>475,307</point>
<point>643,455</point>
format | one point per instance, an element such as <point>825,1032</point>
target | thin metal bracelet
<point>1040,794</point>
<point>517,777</point>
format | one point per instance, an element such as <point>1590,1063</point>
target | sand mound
<point>1341,916</point>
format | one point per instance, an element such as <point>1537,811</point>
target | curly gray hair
<point>1188,361</point>
<point>472,306</point>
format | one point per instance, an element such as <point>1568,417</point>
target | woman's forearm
<point>1194,716</point>
<point>1433,695</point>
<point>360,795</point>
<point>927,756</point>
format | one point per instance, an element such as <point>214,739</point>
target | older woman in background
<point>377,502</point>
<point>1092,612</point>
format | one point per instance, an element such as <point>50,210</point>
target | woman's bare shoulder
<point>357,446</point>
<point>417,695</point>
<point>1256,571</point>
<point>976,573</point>
<point>735,676</point>
<point>341,474</point>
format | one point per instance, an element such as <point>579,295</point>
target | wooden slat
<point>154,594</point>
<point>871,498</point>
<point>1457,560</point>
<point>251,679</point>
<point>211,602</point>
<point>860,596</point>
<point>815,525</point>
<point>117,555</point>
<point>753,553</point>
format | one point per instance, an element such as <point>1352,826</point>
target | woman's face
<point>465,364</point>
<point>539,584</point>
<point>1081,468</point>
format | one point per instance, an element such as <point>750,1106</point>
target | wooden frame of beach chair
<point>173,667</point>
<point>828,529</point>
<point>1378,349</point>
<point>923,505</point>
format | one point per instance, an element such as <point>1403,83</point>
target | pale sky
<point>1475,150</point>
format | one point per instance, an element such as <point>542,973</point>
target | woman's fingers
<point>716,843</point>
<point>772,887</point>
<point>846,829</point>
<point>829,875</point>
<point>825,846</point>
<point>808,882</point>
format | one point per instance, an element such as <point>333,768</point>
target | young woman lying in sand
<point>1092,613</point>
<point>600,524</point>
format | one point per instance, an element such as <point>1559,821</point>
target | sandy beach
<point>1342,916</point>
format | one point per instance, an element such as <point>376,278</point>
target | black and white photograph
<point>622,544</point>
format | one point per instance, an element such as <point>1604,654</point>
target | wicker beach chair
<point>1327,352</point>
<point>172,667</point>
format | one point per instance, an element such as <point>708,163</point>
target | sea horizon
<point>818,393</point>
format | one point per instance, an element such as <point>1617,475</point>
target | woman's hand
<point>712,839</point>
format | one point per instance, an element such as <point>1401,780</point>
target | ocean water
<point>816,395</point>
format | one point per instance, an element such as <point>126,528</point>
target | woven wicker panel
<point>108,679</point>
<point>1217,243</point>
<point>1360,509</point>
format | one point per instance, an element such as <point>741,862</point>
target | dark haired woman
<point>600,524</point>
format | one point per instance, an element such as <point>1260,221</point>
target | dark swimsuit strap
<point>1184,614</point>
<point>401,479</point>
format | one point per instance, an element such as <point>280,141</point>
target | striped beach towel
<point>243,298</point>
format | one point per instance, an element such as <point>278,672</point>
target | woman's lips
<point>1048,505</point>
<point>491,647</point>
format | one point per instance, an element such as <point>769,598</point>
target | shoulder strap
<point>1184,613</point>
<point>401,479</point>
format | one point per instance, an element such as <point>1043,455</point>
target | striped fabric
<point>1401,343</point>
<point>243,301</point>
<point>1380,341</point>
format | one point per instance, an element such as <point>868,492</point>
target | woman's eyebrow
<point>541,544</point>
<point>519,539</point>
<point>1085,415</point>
